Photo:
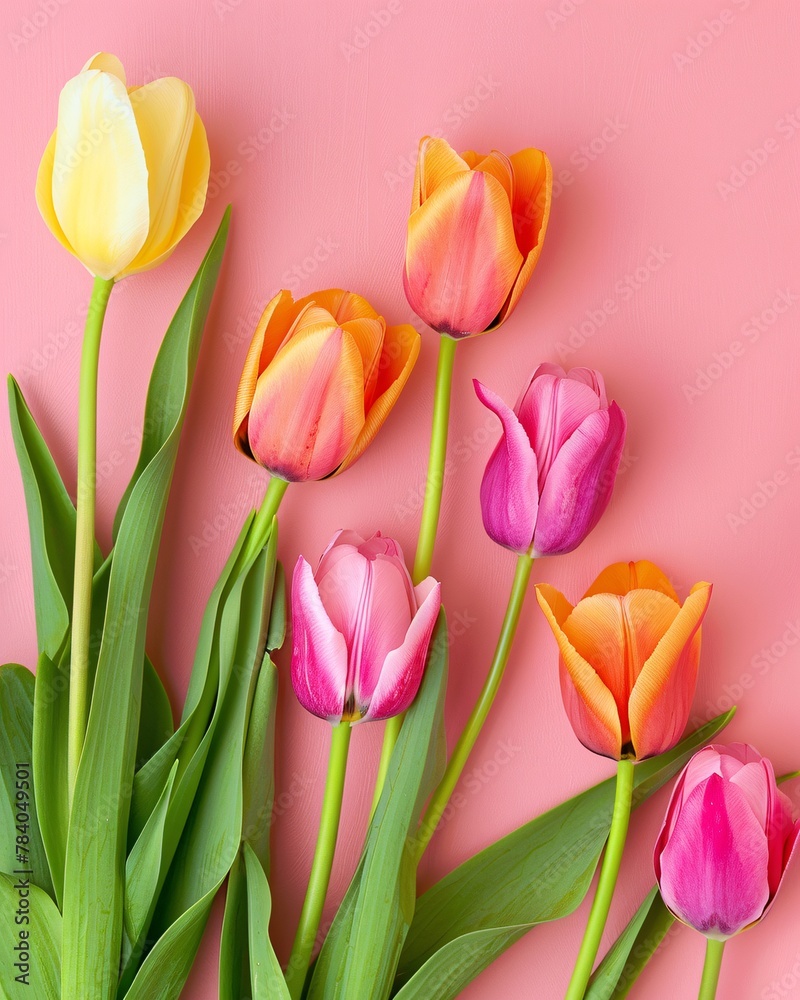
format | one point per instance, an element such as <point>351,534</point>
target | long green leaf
<point>93,884</point>
<point>234,953</point>
<point>259,769</point>
<point>28,919</point>
<point>20,838</point>
<point>360,953</point>
<point>616,974</point>
<point>266,977</point>
<point>539,872</point>
<point>212,835</point>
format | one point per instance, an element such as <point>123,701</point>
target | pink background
<point>647,112</point>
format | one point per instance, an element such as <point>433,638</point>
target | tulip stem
<point>711,969</point>
<point>262,522</point>
<point>472,729</point>
<point>429,522</point>
<point>606,883</point>
<point>84,528</point>
<point>303,947</point>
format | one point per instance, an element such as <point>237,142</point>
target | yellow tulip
<point>124,175</point>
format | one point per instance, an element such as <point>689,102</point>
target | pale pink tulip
<point>361,630</point>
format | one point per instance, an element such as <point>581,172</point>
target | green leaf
<point>539,872</point>
<point>212,835</point>
<point>50,726</point>
<point>359,956</point>
<point>156,725</point>
<point>144,875</point>
<point>21,844</point>
<point>259,770</point>
<point>277,622</point>
<point>633,949</point>
<point>234,956</point>
<point>266,977</point>
<point>93,887</point>
<point>41,978</point>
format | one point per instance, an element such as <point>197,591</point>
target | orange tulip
<point>475,233</point>
<point>629,658</point>
<point>319,379</point>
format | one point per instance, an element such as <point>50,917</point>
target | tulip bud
<point>319,380</point>
<point>475,233</point>
<point>361,630</point>
<point>124,175</point>
<point>552,475</point>
<point>629,659</point>
<point>726,841</point>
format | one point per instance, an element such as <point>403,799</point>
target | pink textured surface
<point>673,131</point>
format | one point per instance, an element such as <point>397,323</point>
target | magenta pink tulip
<point>361,630</point>
<point>726,841</point>
<point>553,472</point>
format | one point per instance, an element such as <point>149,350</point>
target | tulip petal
<point>403,668</point>
<point>107,63</point>
<point>165,116</point>
<point>342,306</point>
<point>99,174</point>
<point>551,410</point>
<point>44,194</point>
<point>319,652</point>
<point>617,635</point>
<point>509,491</point>
<point>713,866</point>
<point>622,577</point>
<point>308,408</point>
<point>533,194</point>
<point>194,186</point>
<point>589,704</point>
<point>368,335</point>
<point>662,695</point>
<point>580,482</point>
<point>400,352</point>
<point>461,256</point>
<point>436,161</point>
<point>499,166</point>
<point>268,337</point>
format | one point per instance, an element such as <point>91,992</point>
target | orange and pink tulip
<point>630,653</point>
<point>319,380</point>
<point>475,233</point>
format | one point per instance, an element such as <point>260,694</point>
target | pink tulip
<point>361,630</point>
<point>726,841</point>
<point>553,472</point>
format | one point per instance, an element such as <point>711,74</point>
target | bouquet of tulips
<point>121,827</point>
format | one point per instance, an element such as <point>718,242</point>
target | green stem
<point>84,528</point>
<point>711,969</point>
<point>606,883</point>
<point>429,522</point>
<point>471,731</point>
<point>300,959</point>
<point>262,523</point>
